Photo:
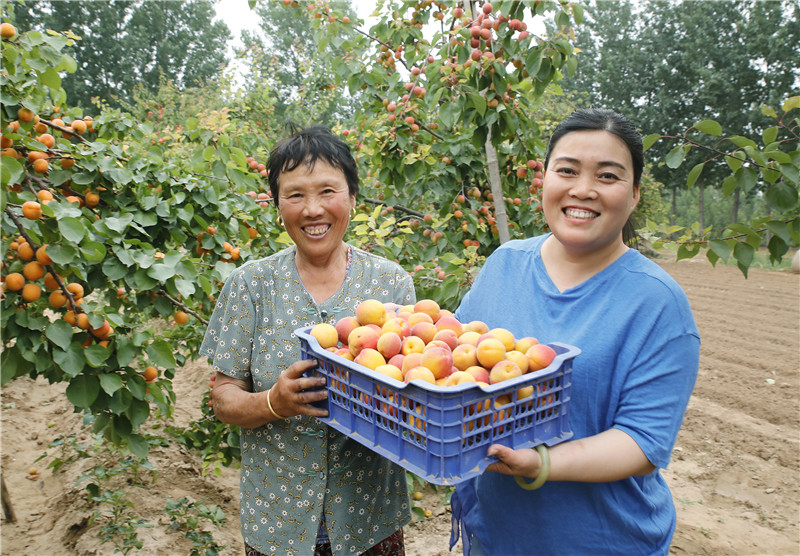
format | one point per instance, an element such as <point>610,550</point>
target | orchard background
<point>124,212</point>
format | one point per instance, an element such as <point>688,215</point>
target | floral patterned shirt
<point>294,470</point>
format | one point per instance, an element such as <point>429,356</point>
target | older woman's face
<point>315,205</point>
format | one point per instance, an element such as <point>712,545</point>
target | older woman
<point>305,487</point>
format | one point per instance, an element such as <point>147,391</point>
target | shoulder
<point>653,286</point>
<point>531,245</point>
<point>376,262</point>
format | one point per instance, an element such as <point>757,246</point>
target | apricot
<point>540,356</point>
<point>15,281</point>
<point>465,356</point>
<point>325,334</point>
<point>519,358</point>
<point>41,166</point>
<point>150,374</point>
<point>57,299</point>
<point>370,358</point>
<point>362,338</point>
<point>424,330</point>
<point>31,210</point>
<point>42,256</point>
<point>490,352</point>
<point>50,281</point>
<point>47,140</point>
<point>25,251</point>
<point>439,361</point>
<point>429,307</point>
<point>7,30</point>
<point>389,344</point>
<point>79,126</point>
<point>181,317</point>
<point>76,290</point>
<point>412,344</point>
<point>82,320</point>
<point>31,292</point>
<point>33,270</point>
<point>371,311</point>
<point>504,336</point>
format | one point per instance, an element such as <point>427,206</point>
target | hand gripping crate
<point>441,434</point>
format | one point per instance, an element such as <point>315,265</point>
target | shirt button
<point>322,475</point>
<point>323,314</point>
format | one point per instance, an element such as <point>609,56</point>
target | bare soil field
<point>735,472</point>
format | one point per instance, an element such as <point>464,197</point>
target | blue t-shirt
<point>637,368</point>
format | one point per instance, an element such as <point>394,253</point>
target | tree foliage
<point>131,43</point>
<point>286,57</point>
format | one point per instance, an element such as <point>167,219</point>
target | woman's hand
<point>524,462</point>
<point>293,394</point>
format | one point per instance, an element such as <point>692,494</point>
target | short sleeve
<point>228,341</point>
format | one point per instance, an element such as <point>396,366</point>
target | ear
<point>637,190</point>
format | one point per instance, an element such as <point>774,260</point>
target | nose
<point>583,187</point>
<point>313,206</point>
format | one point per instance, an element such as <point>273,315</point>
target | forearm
<point>235,406</point>
<point>609,456</point>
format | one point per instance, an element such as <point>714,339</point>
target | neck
<point>569,267</point>
<point>334,260</point>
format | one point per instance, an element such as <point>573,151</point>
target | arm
<point>235,404</point>
<point>611,455</point>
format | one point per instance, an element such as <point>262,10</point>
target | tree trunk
<point>501,219</point>
<point>701,208</point>
<point>674,206</point>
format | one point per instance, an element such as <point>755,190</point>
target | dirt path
<point>735,474</point>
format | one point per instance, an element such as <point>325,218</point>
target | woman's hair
<point>616,124</point>
<point>306,147</point>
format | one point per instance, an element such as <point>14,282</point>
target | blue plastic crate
<point>442,433</point>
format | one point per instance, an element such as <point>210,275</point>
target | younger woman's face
<point>588,192</point>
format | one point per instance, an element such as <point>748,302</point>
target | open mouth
<point>317,230</point>
<point>580,214</point>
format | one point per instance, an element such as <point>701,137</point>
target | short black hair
<point>306,147</point>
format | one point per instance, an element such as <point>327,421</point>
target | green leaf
<point>71,361</point>
<point>161,272</point>
<point>160,354</point>
<point>11,172</point>
<point>694,173</point>
<point>138,412</point>
<point>780,195</point>
<point>59,332</point>
<point>96,355</point>
<point>120,400</point>
<point>72,229</point>
<point>11,365</point>
<point>720,247</point>
<point>93,251</point>
<point>138,445</point>
<point>650,140</point>
<point>746,178</point>
<point>676,156</point>
<point>110,383</point>
<point>83,390</point>
<point>709,126</point>
<point>769,135</point>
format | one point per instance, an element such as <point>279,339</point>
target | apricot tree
<point>116,239</point>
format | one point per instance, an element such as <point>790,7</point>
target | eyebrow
<point>601,163</point>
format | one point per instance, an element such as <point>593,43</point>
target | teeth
<point>316,230</point>
<point>577,213</point>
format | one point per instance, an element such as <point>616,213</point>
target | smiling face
<point>588,192</point>
<point>315,204</point>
